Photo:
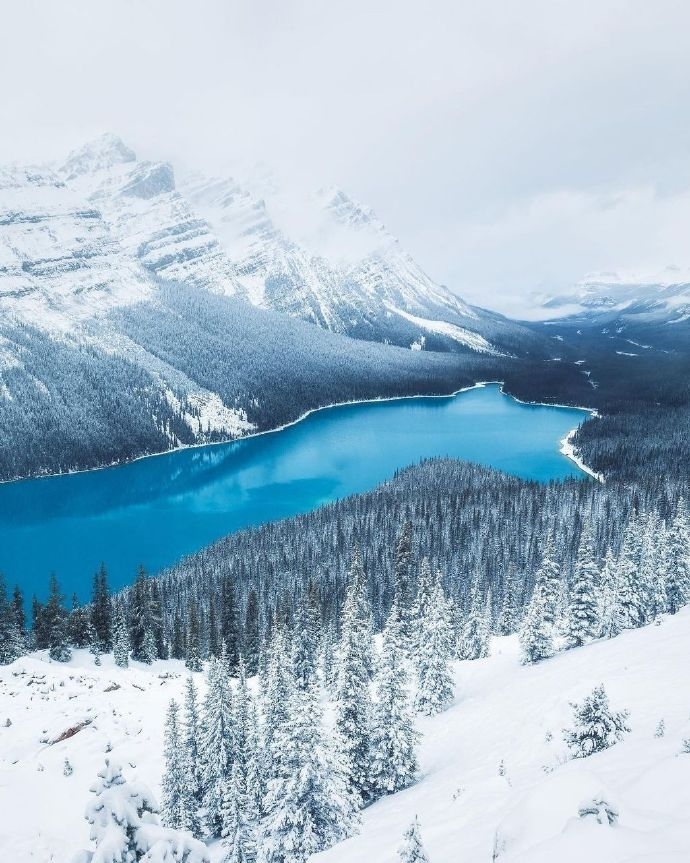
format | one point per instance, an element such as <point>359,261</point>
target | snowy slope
<point>504,712</point>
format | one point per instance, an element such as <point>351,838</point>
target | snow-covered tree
<point>125,827</point>
<point>403,583</point>
<point>309,805</point>
<point>629,596</point>
<point>216,745</point>
<point>55,621</point>
<point>508,619</point>
<point>412,849</point>
<point>353,712</point>
<point>677,559</point>
<point>142,637</point>
<point>12,644</point>
<point>394,764</point>
<point>121,646</point>
<point>582,623</point>
<point>549,578</point>
<point>596,726</point>
<point>609,624</point>
<point>435,684</point>
<point>474,636</point>
<point>192,736</point>
<point>238,839</point>
<point>536,632</point>
<point>179,806</point>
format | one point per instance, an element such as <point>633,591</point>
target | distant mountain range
<point>658,298</point>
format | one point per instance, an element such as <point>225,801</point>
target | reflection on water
<point>156,510</point>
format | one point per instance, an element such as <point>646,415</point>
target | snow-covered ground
<point>471,810</point>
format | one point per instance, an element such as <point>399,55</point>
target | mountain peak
<point>105,151</point>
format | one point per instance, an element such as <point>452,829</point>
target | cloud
<point>490,137</point>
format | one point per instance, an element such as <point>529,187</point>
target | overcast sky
<point>513,146</point>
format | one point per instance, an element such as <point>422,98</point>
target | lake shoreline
<point>569,453</point>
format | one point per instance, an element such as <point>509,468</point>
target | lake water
<point>156,510</point>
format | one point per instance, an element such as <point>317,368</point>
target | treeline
<point>485,532</point>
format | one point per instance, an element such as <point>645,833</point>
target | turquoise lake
<point>156,510</point>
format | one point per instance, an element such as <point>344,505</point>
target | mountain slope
<point>468,810</point>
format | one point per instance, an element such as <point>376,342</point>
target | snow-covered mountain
<point>100,229</point>
<point>652,298</point>
<point>495,783</point>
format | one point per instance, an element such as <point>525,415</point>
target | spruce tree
<point>252,639</point>
<point>216,745</point>
<point>11,636</point>
<point>142,638</point>
<point>474,638</point>
<point>596,726</point>
<point>394,763</point>
<point>353,710</point>
<point>412,849</point>
<point>178,805</point>
<point>125,826</point>
<point>238,841</point>
<point>229,627</point>
<point>435,683</point>
<point>582,622</point>
<point>509,618</point>
<point>121,645</point>
<point>79,624</point>
<point>608,614</point>
<point>192,737</point>
<point>309,805</point>
<point>101,611</point>
<point>55,621</point>
<point>677,560</point>
<point>193,649</point>
<point>403,584</point>
<point>549,578</point>
<point>536,633</point>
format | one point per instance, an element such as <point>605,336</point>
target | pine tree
<point>101,611</point>
<point>509,618</point>
<point>353,713</point>
<point>55,621</point>
<point>596,726</point>
<point>304,647</point>
<point>677,563</point>
<point>549,578</point>
<point>275,691</point>
<point>536,633</point>
<point>412,849</point>
<point>394,763</point>
<point>41,638</point>
<point>192,737</point>
<point>193,651</point>
<point>121,644</point>
<point>179,806</point>
<point>309,805</point>
<point>142,639</point>
<point>609,623</point>
<point>474,638</point>
<point>217,746</point>
<point>435,686</point>
<point>628,597</point>
<point>79,624</point>
<point>251,635</point>
<point>11,635</point>
<point>229,627</point>
<point>238,839</point>
<point>582,613</point>
<point>125,826</point>
<point>404,591</point>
